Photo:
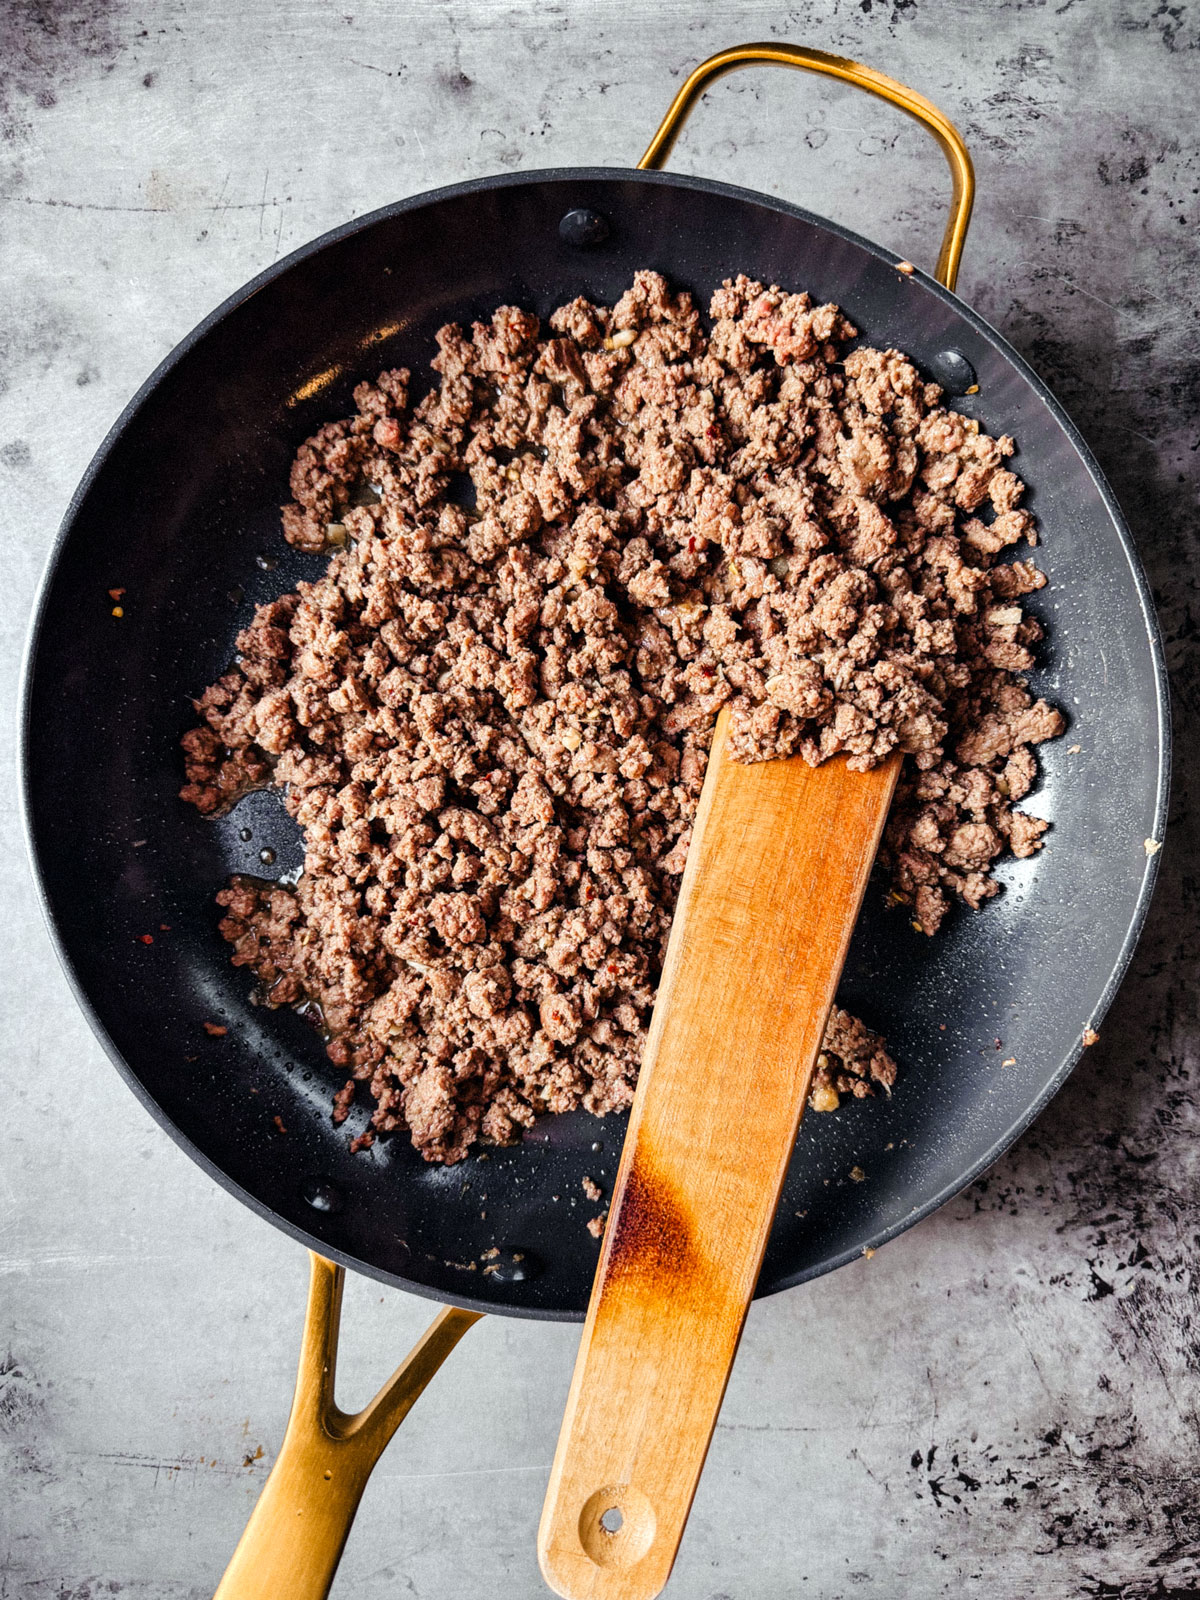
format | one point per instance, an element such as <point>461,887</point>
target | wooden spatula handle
<point>775,875</point>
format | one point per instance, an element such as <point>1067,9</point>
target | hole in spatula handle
<point>616,1525</point>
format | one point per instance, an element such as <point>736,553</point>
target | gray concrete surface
<point>1001,1403</point>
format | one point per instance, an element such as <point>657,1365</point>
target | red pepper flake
<point>146,938</point>
<point>278,1121</point>
<point>215,1030</point>
<point>164,927</point>
<point>115,594</point>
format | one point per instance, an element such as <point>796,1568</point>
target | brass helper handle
<point>877,83</point>
<point>297,1531</point>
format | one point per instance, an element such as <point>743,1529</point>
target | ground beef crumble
<point>491,716</point>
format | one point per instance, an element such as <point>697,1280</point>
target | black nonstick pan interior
<point>180,510</point>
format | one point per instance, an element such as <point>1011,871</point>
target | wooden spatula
<point>775,875</point>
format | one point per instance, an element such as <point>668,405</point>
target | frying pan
<point>179,509</point>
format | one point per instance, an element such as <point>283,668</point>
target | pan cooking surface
<point>180,508</point>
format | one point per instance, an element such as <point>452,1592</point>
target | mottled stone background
<point>1003,1402</point>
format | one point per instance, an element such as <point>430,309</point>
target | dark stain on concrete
<point>1177,26</point>
<point>20,1397</point>
<point>456,83</point>
<point>895,11</point>
<point>16,453</point>
<point>1063,1490</point>
<point>44,44</point>
<point>35,337</point>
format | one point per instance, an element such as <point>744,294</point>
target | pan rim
<point>566,176</point>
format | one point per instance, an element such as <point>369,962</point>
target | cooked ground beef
<point>491,716</point>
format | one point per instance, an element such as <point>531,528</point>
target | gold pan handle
<point>877,83</point>
<point>295,1537</point>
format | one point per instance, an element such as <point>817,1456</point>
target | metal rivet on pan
<point>323,1195</point>
<point>514,1266</point>
<point>953,371</point>
<point>583,228</point>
